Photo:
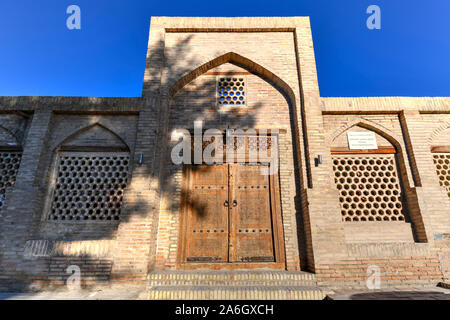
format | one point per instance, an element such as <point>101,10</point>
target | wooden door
<point>231,216</point>
<point>207,214</point>
<point>251,236</point>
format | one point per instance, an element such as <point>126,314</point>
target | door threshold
<point>232,266</point>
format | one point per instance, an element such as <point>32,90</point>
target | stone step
<point>231,278</point>
<point>230,285</point>
<point>233,293</point>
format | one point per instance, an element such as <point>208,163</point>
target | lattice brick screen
<point>9,166</point>
<point>89,186</point>
<point>442,162</point>
<point>231,91</point>
<point>369,187</point>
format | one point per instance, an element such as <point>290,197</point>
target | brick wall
<point>398,271</point>
<point>266,108</point>
<point>383,124</point>
<point>179,86</point>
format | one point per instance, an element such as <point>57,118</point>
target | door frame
<point>277,230</point>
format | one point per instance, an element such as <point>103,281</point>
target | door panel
<point>251,236</point>
<point>229,215</point>
<point>207,223</point>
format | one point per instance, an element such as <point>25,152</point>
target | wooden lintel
<point>440,149</point>
<point>380,150</point>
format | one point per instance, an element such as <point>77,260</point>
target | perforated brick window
<point>442,162</point>
<point>9,166</point>
<point>89,186</point>
<point>369,187</point>
<point>231,91</point>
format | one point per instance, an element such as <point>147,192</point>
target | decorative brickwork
<point>89,187</point>
<point>231,91</point>
<point>442,162</point>
<point>9,165</point>
<point>369,188</point>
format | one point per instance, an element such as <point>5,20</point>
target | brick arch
<point>411,200</point>
<point>277,84</point>
<point>238,60</point>
<point>369,125</point>
<point>438,131</point>
<point>79,130</point>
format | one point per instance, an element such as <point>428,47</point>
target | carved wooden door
<point>207,224</point>
<point>229,214</point>
<point>251,236</point>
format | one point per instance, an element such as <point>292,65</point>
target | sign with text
<point>362,140</point>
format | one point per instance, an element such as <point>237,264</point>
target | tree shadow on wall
<point>197,101</point>
<point>194,101</point>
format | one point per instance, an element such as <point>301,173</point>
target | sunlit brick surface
<point>369,188</point>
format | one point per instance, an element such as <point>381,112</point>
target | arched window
<point>90,176</point>
<point>440,150</point>
<point>10,156</point>
<point>367,179</point>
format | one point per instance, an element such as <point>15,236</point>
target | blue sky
<point>409,56</point>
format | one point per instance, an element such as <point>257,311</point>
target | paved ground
<point>100,293</point>
<point>411,293</point>
<point>132,293</point>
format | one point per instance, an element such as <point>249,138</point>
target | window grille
<point>9,166</point>
<point>89,186</point>
<point>442,162</point>
<point>231,91</point>
<point>369,187</point>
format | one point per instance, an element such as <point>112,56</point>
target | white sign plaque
<point>362,140</point>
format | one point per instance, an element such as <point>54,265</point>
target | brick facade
<point>275,56</point>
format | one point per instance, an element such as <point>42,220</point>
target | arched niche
<point>368,180</point>
<point>95,137</point>
<point>88,177</point>
<point>440,150</point>
<point>375,204</point>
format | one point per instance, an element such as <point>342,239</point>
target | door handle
<point>226,204</point>
<point>234,203</point>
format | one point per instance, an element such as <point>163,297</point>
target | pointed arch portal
<point>240,61</point>
<point>231,214</point>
